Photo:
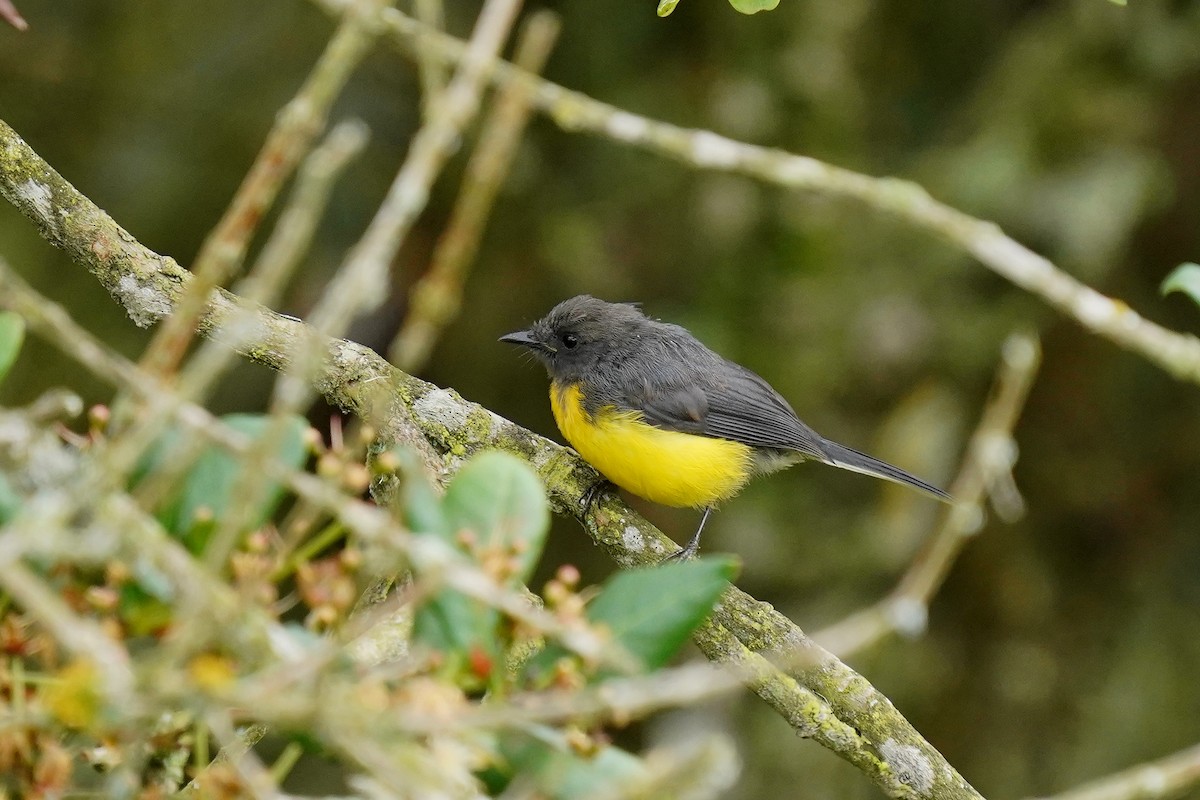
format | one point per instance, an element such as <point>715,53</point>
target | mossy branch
<point>812,690</point>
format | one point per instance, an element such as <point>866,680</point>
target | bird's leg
<point>689,551</point>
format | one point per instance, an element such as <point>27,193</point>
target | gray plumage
<point>628,361</point>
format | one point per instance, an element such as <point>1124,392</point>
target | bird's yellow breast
<point>667,467</point>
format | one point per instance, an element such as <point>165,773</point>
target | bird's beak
<point>525,339</point>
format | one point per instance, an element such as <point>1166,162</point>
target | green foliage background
<point>1065,645</point>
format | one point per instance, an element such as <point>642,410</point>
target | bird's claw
<point>686,553</point>
<point>593,494</point>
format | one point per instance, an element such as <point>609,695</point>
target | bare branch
<point>1167,777</point>
<point>293,234</point>
<point>433,71</point>
<point>9,13</point>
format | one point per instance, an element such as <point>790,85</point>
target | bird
<point>661,415</point>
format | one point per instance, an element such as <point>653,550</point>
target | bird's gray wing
<point>728,402</point>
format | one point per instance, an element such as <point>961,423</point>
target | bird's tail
<point>846,458</point>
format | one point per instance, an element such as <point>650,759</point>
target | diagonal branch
<point>817,694</point>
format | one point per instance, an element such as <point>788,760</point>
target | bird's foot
<point>686,553</point>
<point>594,494</point>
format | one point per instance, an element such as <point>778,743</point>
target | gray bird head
<point>578,334</point>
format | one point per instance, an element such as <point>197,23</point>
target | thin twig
<point>988,462</point>
<point>232,752</point>
<point>293,233</point>
<point>288,242</point>
<point>615,699</point>
<point>241,757</point>
<point>361,284</point>
<point>1169,776</point>
<point>436,297</point>
<point>296,127</point>
<point>9,13</point>
<point>433,71</point>
<point>290,238</point>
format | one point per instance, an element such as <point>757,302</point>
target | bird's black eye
<point>569,340</point>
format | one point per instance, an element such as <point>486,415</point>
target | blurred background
<point>1064,646</point>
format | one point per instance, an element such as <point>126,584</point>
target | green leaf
<point>420,507</point>
<point>166,446</point>
<point>754,6</point>
<point>448,621</point>
<point>665,7</point>
<point>651,612</point>
<point>561,774</point>
<point>497,501</point>
<point>1186,279</point>
<point>12,335</point>
<point>500,499</point>
<point>573,776</point>
<point>209,485</point>
<point>457,625</point>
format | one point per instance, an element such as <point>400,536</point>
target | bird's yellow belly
<point>667,467</point>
